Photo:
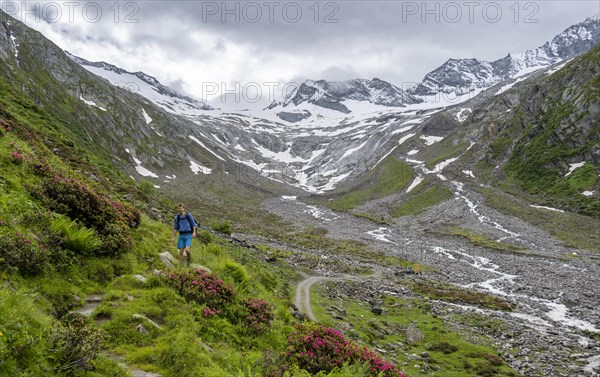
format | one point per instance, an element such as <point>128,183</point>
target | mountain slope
<point>461,76</point>
<point>145,85</point>
<point>137,136</point>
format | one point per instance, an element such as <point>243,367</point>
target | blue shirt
<point>184,225</point>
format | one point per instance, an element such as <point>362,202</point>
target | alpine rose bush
<point>317,348</point>
<point>202,287</point>
<point>74,198</point>
<point>16,250</point>
<point>258,314</point>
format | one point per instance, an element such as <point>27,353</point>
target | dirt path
<point>303,295</point>
<point>303,292</point>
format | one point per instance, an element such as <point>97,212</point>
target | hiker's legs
<point>181,256</point>
<point>189,255</point>
<point>184,244</point>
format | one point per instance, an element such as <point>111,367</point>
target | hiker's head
<point>180,208</point>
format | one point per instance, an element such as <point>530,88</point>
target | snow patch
<point>469,173</point>
<point>414,183</point>
<point>556,69</point>
<point>413,152</point>
<point>507,87</point>
<point>381,234</point>
<point>404,138</point>
<point>573,167</point>
<point>289,198</point>
<point>548,208</point>
<point>383,158</point>
<point>90,103</point>
<point>430,140</point>
<point>588,193</point>
<point>320,214</point>
<point>197,168</point>
<point>463,114</point>
<point>146,117</point>
<point>352,150</point>
<point>439,167</point>
<point>144,172</point>
<point>205,147</point>
<point>14,41</point>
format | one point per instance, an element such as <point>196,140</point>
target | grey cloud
<point>410,37</point>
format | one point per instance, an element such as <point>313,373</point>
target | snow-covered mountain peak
<point>146,86</point>
<point>337,95</point>
<point>462,76</point>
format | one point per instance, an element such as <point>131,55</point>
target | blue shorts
<point>185,240</point>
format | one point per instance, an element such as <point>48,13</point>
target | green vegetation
<point>539,156</point>
<point>391,176</point>
<point>408,326</point>
<point>481,240</point>
<point>420,199</point>
<point>222,227</point>
<point>66,237</point>
<point>442,151</point>
<point>451,293</point>
<point>575,230</point>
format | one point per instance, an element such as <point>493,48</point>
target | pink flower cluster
<point>208,312</point>
<point>316,348</point>
<point>28,256</point>
<point>17,158</point>
<point>258,314</point>
<point>202,287</point>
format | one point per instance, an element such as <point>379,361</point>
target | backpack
<point>188,218</point>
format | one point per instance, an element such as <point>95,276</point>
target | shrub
<point>16,250</point>
<point>146,186</point>
<point>223,226</point>
<point>316,348</point>
<point>495,360</point>
<point>237,272</point>
<point>214,249</point>
<point>17,158</point>
<point>76,345</point>
<point>72,197</point>
<point>205,237</point>
<point>202,287</point>
<point>258,314</point>
<point>444,347</point>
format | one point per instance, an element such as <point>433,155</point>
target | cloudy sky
<point>187,44</point>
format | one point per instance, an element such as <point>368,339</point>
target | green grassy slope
<point>389,177</point>
<point>67,234</point>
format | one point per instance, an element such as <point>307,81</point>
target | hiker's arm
<point>194,226</point>
<point>173,237</point>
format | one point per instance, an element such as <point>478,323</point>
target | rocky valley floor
<point>553,329</point>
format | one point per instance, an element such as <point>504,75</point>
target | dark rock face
<point>293,117</point>
<point>440,125</point>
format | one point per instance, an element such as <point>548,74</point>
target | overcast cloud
<point>187,44</point>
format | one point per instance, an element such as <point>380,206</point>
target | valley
<point>449,228</point>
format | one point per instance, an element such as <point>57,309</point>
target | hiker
<point>185,224</point>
